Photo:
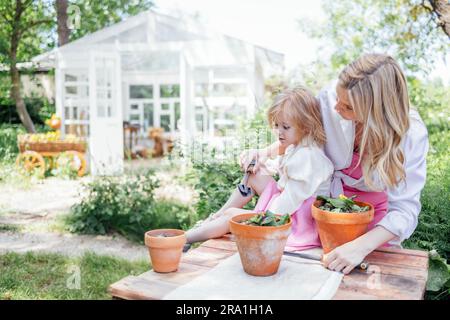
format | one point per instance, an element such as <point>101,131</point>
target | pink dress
<point>304,233</point>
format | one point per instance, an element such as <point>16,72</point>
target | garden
<point>111,214</point>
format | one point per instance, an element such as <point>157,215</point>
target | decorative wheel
<point>75,159</point>
<point>31,161</point>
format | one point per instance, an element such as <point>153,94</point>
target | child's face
<point>286,132</point>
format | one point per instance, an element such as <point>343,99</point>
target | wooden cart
<point>32,155</point>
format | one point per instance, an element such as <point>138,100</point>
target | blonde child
<point>304,172</point>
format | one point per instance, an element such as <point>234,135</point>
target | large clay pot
<point>165,247</point>
<point>260,248</point>
<point>335,229</point>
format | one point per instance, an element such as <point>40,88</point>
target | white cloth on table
<point>296,279</point>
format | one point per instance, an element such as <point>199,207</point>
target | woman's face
<point>343,106</point>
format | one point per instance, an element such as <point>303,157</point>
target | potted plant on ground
<point>165,247</point>
<point>260,239</point>
<point>340,220</point>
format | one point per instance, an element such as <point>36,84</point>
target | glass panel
<point>141,92</point>
<point>177,114</point>
<point>165,122</point>
<point>199,122</point>
<point>148,114</point>
<point>134,107</point>
<point>165,106</point>
<point>71,90</point>
<point>229,89</point>
<point>135,117</point>
<point>100,111</point>
<point>169,90</point>
<point>67,113</point>
<point>201,89</point>
<point>70,77</point>
<point>75,112</point>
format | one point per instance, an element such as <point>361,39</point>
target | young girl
<point>304,172</point>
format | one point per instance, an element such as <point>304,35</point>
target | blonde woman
<point>304,172</point>
<point>378,147</point>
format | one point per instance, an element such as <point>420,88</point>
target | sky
<point>268,23</point>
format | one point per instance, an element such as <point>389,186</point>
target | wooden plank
<point>381,286</point>
<point>220,244</point>
<point>138,288</point>
<point>407,252</point>
<point>185,273</point>
<point>205,256</point>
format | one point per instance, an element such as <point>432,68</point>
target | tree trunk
<point>14,72</point>
<point>61,14</point>
<point>20,104</point>
<point>442,9</point>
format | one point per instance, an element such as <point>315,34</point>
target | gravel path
<point>71,245</point>
<point>35,211</point>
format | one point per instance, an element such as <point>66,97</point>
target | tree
<point>62,19</point>
<point>409,30</point>
<point>20,24</point>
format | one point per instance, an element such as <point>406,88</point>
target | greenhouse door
<point>106,128</point>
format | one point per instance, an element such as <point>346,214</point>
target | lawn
<point>53,276</point>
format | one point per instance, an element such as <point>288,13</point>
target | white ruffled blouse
<point>304,171</point>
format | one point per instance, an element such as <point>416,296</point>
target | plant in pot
<point>165,247</point>
<point>340,220</point>
<point>260,239</point>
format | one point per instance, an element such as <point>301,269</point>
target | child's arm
<point>261,155</point>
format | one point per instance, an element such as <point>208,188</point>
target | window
<point>148,114</point>
<point>165,106</point>
<point>169,90</point>
<point>229,90</point>
<point>177,114</point>
<point>141,91</point>
<point>165,122</point>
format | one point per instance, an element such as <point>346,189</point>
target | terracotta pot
<point>260,248</point>
<point>165,251</point>
<point>336,229</point>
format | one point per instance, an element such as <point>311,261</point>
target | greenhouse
<point>154,70</point>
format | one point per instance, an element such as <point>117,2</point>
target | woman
<point>378,147</point>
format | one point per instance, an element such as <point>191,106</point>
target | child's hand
<point>252,154</point>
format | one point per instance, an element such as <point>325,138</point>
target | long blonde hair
<point>378,93</point>
<point>299,105</point>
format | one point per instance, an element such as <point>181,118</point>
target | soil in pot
<point>340,220</point>
<point>260,246</point>
<point>165,247</point>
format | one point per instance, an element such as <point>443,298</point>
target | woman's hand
<point>252,154</point>
<point>346,257</point>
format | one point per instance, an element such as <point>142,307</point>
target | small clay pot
<point>335,229</point>
<point>165,247</point>
<point>260,248</point>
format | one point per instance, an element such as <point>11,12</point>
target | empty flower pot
<point>165,247</point>
<point>335,229</point>
<point>260,247</point>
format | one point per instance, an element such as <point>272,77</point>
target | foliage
<point>38,108</point>
<point>402,28</point>
<point>126,205</point>
<point>340,205</point>
<point>215,181</point>
<point>267,219</point>
<point>45,276</point>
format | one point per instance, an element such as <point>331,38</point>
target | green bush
<point>126,205</point>
<point>8,141</point>
<point>215,181</point>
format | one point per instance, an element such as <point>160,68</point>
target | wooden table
<point>393,274</point>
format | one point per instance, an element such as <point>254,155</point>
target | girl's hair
<point>378,93</point>
<point>301,107</point>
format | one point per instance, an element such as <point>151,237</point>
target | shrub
<point>126,205</point>
<point>215,181</point>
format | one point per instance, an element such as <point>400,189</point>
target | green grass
<point>9,227</point>
<point>45,276</point>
